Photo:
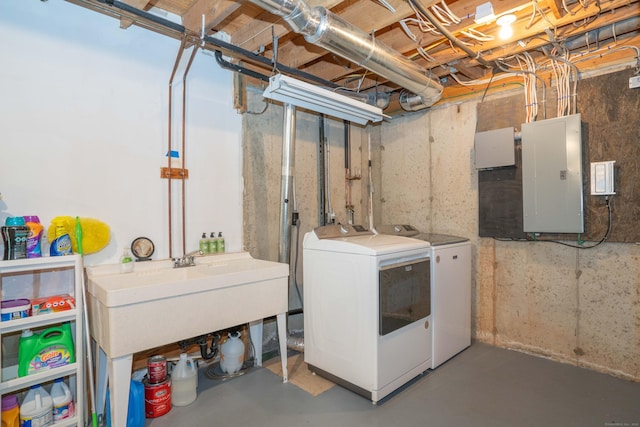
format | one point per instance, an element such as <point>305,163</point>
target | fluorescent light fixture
<point>301,94</point>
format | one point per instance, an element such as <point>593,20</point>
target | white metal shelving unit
<point>43,277</point>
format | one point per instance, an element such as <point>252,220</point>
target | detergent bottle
<point>37,408</point>
<point>10,411</point>
<point>15,234</point>
<point>61,243</point>
<point>50,349</point>
<point>33,238</point>
<point>232,354</point>
<point>63,406</point>
<point>184,381</point>
<point>135,415</point>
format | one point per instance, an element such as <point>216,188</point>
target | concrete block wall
<point>575,306</point>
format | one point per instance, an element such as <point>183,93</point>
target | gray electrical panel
<point>495,148</point>
<point>552,175</point>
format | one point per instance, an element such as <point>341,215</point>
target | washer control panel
<point>341,230</point>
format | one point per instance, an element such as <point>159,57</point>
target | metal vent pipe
<point>327,30</point>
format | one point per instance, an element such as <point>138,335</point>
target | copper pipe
<point>184,151</point>
<point>173,73</point>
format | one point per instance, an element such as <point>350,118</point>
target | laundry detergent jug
<point>48,350</point>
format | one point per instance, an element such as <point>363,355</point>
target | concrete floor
<point>482,386</point>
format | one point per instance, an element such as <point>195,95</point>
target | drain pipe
<point>327,30</point>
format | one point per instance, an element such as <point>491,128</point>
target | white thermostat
<point>602,178</point>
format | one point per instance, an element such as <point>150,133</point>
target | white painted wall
<point>83,128</point>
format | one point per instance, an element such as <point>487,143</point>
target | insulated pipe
<point>622,27</point>
<point>288,153</point>
<point>327,30</point>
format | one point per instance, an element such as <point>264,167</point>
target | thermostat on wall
<point>602,178</point>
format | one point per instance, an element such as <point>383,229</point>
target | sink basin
<point>159,279</point>
<point>141,278</point>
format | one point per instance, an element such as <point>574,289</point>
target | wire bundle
<point>447,18</point>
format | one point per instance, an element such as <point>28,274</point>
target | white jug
<point>184,381</point>
<point>232,354</point>
<point>63,406</point>
<point>37,408</point>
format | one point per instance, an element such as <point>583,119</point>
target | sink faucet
<point>187,259</point>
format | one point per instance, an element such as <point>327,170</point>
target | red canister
<point>157,369</point>
<point>157,398</point>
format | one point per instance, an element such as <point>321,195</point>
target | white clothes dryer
<point>367,309</point>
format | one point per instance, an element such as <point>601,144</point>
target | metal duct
<point>327,30</point>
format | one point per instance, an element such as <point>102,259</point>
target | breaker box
<point>552,176</point>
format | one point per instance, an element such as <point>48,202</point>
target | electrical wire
<point>295,262</point>
<point>494,78</point>
<point>602,240</point>
<point>578,246</point>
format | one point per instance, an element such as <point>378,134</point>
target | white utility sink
<point>158,304</point>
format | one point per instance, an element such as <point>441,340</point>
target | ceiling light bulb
<point>505,22</point>
<point>505,32</point>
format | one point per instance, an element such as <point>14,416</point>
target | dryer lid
<point>368,244</point>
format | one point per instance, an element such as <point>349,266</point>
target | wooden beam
<point>138,4</point>
<point>214,11</point>
<point>556,8</point>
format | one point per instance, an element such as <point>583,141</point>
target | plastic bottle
<point>220,243</point>
<point>61,243</point>
<point>15,234</point>
<point>10,411</point>
<point>213,243</point>
<point>50,349</point>
<point>135,416</point>
<point>63,406</point>
<point>184,381</point>
<point>44,243</point>
<point>232,354</point>
<point>126,261</point>
<point>37,408</point>
<point>204,244</point>
<point>33,239</point>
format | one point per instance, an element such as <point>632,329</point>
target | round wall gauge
<point>142,248</point>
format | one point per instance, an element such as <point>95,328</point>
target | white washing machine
<point>367,309</point>
<point>450,289</point>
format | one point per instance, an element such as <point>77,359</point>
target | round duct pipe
<point>327,30</point>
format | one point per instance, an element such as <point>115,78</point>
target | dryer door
<point>404,294</point>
